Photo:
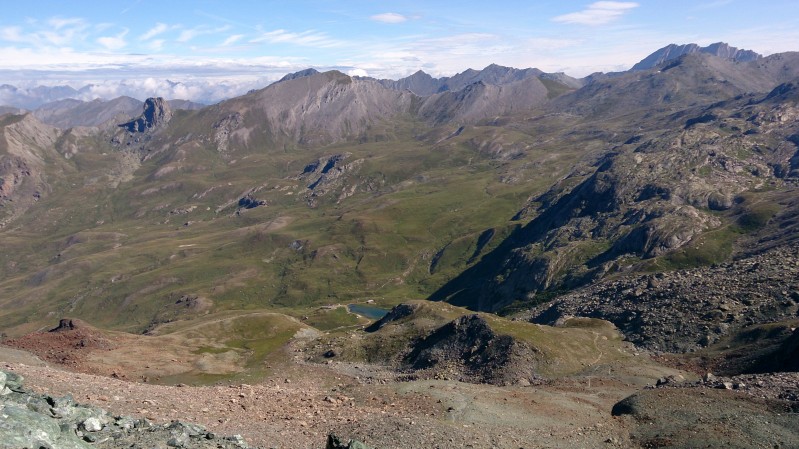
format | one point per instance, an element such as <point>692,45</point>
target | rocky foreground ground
<point>606,407</point>
<point>301,414</point>
<point>41,421</point>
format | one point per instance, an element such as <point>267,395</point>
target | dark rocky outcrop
<point>786,358</point>
<point>334,442</point>
<point>157,113</point>
<point>331,174</point>
<point>397,313</point>
<point>249,201</point>
<point>64,324</point>
<point>136,136</point>
<point>468,349</point>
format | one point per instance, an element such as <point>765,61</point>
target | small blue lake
<point>365,310</point>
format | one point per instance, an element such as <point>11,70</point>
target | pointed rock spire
<point>156,114</point>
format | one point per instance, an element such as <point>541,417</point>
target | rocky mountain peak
<point>674,51</point>
<point>300,74</point>
<point>156,114</point>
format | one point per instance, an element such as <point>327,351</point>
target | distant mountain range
<point>68,113</point>
<point>420,83</point>
<point>673,51</point>
<point>423,84</point>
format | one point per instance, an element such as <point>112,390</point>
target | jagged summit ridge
<point>423,84</point>
<point>674,51</point>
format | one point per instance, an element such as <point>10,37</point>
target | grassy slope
<point>121,257</point>
<point>577,346</point>
<point>119,247</point>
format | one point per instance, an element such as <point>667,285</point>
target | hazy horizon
<point>207,51</point>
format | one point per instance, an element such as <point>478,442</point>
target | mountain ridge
<point>615,243</point>
<point>419,82</point>
<point>674,51</point>
<point>543,187</point>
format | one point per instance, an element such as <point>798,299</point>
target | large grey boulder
<point>29,420</point>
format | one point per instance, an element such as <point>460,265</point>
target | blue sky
<point>242,44</point>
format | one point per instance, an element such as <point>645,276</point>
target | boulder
<point>334,442</point>
<point>31,420</point>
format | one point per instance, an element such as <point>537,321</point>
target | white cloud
<point>549,43</point>
<point>191,33</point>
<point>466,44</point>
<point>109,75</point>
<point>12,34</point>
<point>207,90</point>
<point>232,39</point>
<point>389,17</point>
<point>156,44</point>
<point>159,28</point>
<point>65,36</point>
<point>113,42</point>
<point>597,13</point>
<point>187,35</point>
<point>357,72</point>
<point>309,38</point>
<point>72,22</point>
<point>55,31</point>
<point>100,27</point>
<point>712,4</point>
